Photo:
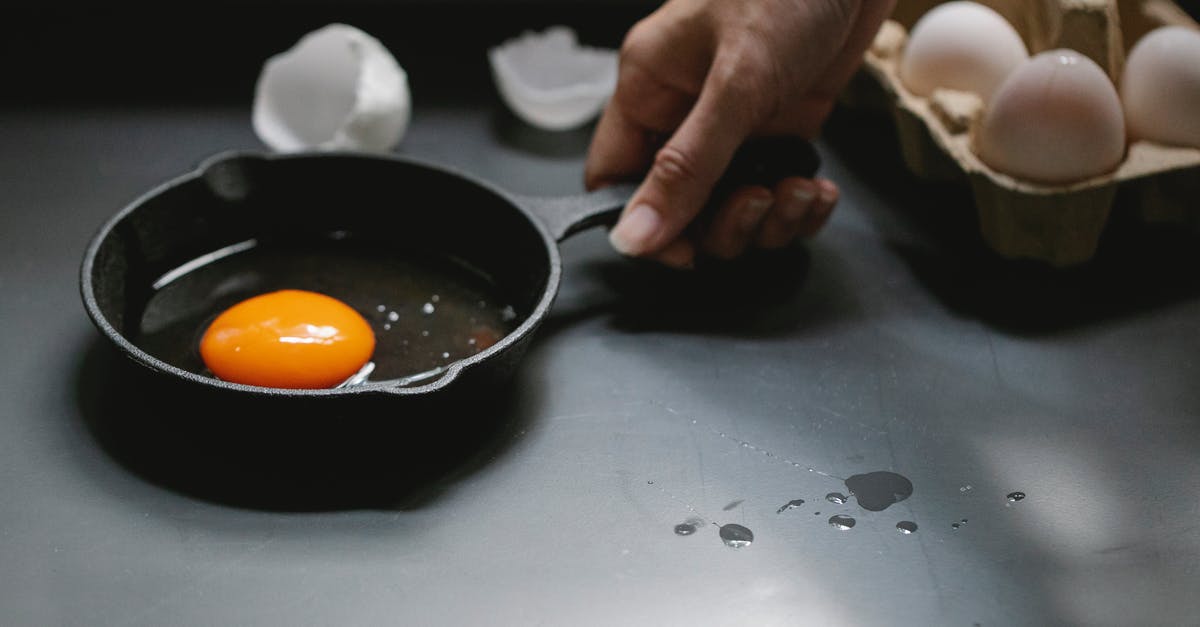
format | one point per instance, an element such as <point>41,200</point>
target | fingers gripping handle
<point>760,161</point>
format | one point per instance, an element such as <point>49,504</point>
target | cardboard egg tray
<point>1058,224</point>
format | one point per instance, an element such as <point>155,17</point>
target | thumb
<point>686,168</point>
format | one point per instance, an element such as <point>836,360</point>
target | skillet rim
<point>445,379</point>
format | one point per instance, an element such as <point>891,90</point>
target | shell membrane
<point>338,88</point>
<point>552,82</point>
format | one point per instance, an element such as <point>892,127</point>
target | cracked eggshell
<point>550,81</point>
<point>338,88</point>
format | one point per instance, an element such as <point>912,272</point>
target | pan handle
<point>760,161</point>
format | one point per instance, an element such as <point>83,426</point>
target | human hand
<point>697,78</point>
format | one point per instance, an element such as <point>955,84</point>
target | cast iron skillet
<point>392,201</point>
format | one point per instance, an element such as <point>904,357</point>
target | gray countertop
<point>894,349</point>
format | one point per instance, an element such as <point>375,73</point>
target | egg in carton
<point>1056,223</point>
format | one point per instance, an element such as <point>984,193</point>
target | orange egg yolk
<point>288,339</point>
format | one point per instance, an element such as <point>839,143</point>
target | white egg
<point>963,46</point>
<point>552,82</point>
<point>1161,87</point>
<point>338,88</point>
<point>1055,119</point>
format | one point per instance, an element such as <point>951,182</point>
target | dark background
<point>211,52</point>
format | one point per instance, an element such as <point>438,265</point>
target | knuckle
<point>747,74</point>
<point>673,167</point>
<point>637,40</point>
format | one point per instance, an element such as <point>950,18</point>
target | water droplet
<point>425,333</point>
<point>435,298</point>
<point>790,505</point>
<point>381,308</point>
<point>816,513</point>
<point>966,488</point>
<point>471,341</point>
<point>876,491</point>
<point>841,523</point>
<point>736,536</point>
<point>1013,497</point>
<point>688,527</point>
<point>445,355</point>
<point>836,497</point>
<point>733,504</point>
<point>955,525</point>
<point>393,316</point>
<point>906,527</point>
<point>508,314</point>
<point>959,524</point>
<point>693,421</point>
<point>387,327</point>
<point>649,483</point>
<point>427,308</point>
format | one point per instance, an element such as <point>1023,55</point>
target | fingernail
<point>796,207</point>
<point>803,194</point>
<point>828,194</point>
<point>635,230</point>
<point>755,209</point>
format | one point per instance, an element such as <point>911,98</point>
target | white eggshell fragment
<point>1161,87</point>
<point>550,81</point>
<point>1056,119</point>
<point>338,88</point>
<point>963,46</point>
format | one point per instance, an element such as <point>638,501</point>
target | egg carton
<point>1057,224</point>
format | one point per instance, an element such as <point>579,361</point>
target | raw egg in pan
<point>288,339</point>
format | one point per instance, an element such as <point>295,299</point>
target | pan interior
<point>439,266</point>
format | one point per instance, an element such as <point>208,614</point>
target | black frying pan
<point>392,202</point>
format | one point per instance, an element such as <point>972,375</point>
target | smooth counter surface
<point>889,343</point>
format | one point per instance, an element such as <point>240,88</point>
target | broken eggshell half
<point>552,82</point>
<point>338,88</point>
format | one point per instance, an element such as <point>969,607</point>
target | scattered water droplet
<point>427,308</point>
<point>688,527</point>
<point>736,536</point>
<point>790,505</point>
<point>445,355</point>
<point>841,522</point>
<point>836,497</point>
<point>393,316</point>
<point>425,333</point>
<point>508,314</point>
<point>966,488</point>
<point>906,527</point>
<point>381,308</point>
<point>387,327</point>
<point>733,504</point>
<point>649,483</point>
<point>1013,497</point>
<point>471,341</point>
<point>435,298</point>
<point>816,513</point>
<point>955,525</point>
<point>876,491</point>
